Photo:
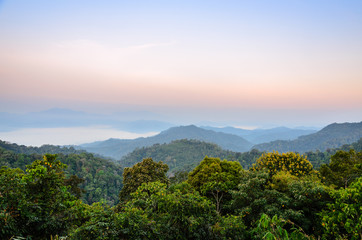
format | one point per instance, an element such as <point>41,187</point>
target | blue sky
<point>245,63</point>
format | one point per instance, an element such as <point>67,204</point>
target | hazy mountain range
<point>264,135</point>
<point>172,147</point>
<point>332,136</point>
<point>116,148</point>
<point>229,138</point>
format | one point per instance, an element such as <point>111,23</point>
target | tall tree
<point>298,199</point>
<point>291,162</point>
<point>48,199</point>
<point>215,177</point>
<point>343,219</point>
<point>143,172</point>
<point>36,204</point>
<point>11,198</point>
<point>343,168</point>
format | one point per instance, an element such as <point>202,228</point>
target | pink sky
<point>195,58</point>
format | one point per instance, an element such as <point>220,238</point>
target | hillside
<point>38,150</point>
<point>117,148</point>
<point>258,136</point>
<point>184,155</point>
<point>332,136</point>
<point>102,177</point>
<point>317,158</point>
<point>181,155</point>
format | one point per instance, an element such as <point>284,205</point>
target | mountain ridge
<point>258,136</point>
<point>116,148</point>
<point>332,136</point>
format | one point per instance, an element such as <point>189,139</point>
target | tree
<point>143,172</point>
<point>215,177</point>
<point>343,169</point>
<point>179,177</point>
<point>48,201</point>
<point>275,228</point>
<point>290,197</point>
<point>73,182</point>
<point>291,162</point>
<point>343,219</point>
<point>11,198</point>
<point>230,227</point>
<point>98,223</point>
<point>178,212</point>
<point>37,204</point>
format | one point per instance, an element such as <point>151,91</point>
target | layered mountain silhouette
<point>332,136</point>
<point>257,136</point>
<point>116,148</point>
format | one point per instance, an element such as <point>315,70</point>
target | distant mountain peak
<point>332,136</point>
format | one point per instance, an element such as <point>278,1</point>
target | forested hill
<point>102,177</point>
<point>185,155</point>
<point>117,148</point>
<point>332,136</point>
<point>38,150</point>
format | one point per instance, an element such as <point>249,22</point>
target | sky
<point>244,63</point>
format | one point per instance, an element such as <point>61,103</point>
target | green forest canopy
<point>269,200</point>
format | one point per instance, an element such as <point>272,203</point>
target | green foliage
<point>230,227</point>
<point>179,177</point>
<point>11,197</point>
<point>47,198</point>
<point>51,149</point>
<point>179,155</point>
<point>102,178</point>
<point>36,203</point>
<point>134,223</point>
<point>343,219</point>
<point>176,213</point>
<point>291,162</point>
<point>99,223</point>
<point>72,182</point>
<point>143,172</point>
<point>318,158</point>
<point>153,212</point>
<point>215,177</point>
<point>274,229</point>
<point>42,202</point>
<point>357,146</point>
<point>185,154</point>
<point>296,199</point>
<point>246,159</point>
<point>343,169</point>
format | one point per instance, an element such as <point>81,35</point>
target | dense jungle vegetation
<point>99,178</point>
<point>281,196</point>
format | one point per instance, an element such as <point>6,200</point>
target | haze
<point>240,63</point>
